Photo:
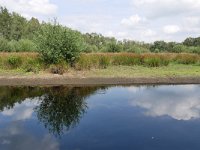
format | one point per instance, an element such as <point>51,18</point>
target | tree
<point>17,27</point>
<point>192,41</point>
<point>32,27</point>
<point>159,45</point>
<point>5,23</point>
<point>56,43</point>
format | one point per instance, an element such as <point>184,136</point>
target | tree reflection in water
<point>60,108</point>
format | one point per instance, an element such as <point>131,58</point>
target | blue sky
<point>141,20</point>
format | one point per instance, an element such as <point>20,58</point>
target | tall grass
<point>31,62</point>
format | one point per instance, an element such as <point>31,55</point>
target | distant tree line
<point>19,34</point>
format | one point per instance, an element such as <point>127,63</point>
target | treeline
<point>19,34</point>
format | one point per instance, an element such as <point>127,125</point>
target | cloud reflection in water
<point>179,102</point>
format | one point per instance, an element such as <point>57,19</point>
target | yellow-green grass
<point>172,70</point>
<point>105,65</point>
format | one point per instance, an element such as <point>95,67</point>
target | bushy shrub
<point>3,45</point>
<point>56,43</point>
<point>14,62</point>
<point>89,48</point>
<point>13,46</point>
<point>113,47</point>
<point>193,49</point>
<point>25,45</point>
<point>22,45</point>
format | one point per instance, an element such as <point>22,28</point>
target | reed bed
<point>31,62</point>
<point>102,60</point>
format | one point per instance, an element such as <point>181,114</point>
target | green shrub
<point>3,45</point>
<point>113,47</point>
<point>56,43</point>
<point>90,48</point>
<point>194,49</point>
<point>22,45</point>
<point>26,46</point>
<point>14,62</point>
<point>13,46</point>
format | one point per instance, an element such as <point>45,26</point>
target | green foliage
<point>160,45</point>
<point>26,46</point>
<point>17,27</point>
<point>14,62</point>
<point>5,23</point>
<point>178,48</point>
<point>89,48</point>
<point>113,47</point>
<point>31,28</point>
<point>22,45</point>
<point>13,46</point>
<point>192,41</point>
<point>3,45</point>
<point>56,42</point>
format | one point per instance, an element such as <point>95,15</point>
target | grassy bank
<point>105,65</point>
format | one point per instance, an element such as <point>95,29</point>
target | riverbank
<point>113,75</point>
<point>58,81</point>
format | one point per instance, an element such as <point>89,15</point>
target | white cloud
<point>30,7</point>
<point>163,8</point>
<point>148,33</point>
<point>133,21</point>
<point>171,29</point>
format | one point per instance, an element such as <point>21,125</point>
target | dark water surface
<point>97,118</point>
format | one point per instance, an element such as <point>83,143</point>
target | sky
<point>140,20</point>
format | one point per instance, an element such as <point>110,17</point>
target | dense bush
<point>3,45</point>
<point>25,45</point>
<point>56,43</point>
<point>22,45</point>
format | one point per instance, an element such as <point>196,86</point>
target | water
<point>96,118</point>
